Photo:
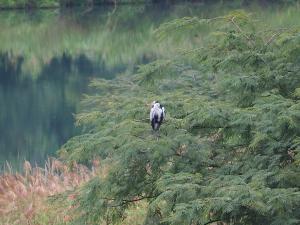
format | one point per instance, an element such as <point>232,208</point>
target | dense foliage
<point>70,3</point>
<point>229,149</point>
<point>57,3</point>
<point>6,4</point>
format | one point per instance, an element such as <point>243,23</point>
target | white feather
<point>158,112</point>
<point>155,110</point>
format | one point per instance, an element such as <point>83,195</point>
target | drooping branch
<point>275,35</point>
<point>212,221</point>
<point>126,201</point>
<point>241,31</point>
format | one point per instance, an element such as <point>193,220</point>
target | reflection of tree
<point>10,68</point>
<point>117,35</point>
<point>36,115</point>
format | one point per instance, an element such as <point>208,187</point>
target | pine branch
<point>212,221</point>
<point>241,31</point>
<point>126,201</point>
<point>275,35</point>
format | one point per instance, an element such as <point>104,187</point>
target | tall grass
<point>24,197</point>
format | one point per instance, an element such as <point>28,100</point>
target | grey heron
<point>157,115</point>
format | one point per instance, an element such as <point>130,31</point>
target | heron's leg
<point>153,132</point>
<point>157,135</point>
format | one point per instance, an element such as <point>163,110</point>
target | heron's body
<point>157,115</point>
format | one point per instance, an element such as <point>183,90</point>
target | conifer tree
<point>229,148</point>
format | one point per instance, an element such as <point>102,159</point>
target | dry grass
<point>23,197</point>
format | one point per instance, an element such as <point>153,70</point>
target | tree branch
<point>241,31</point>
<point>272,38</point>
<point>213,221</point>
<point>126,201</point>
<point>209,222</point>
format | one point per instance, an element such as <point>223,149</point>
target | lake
<point>48,57</point>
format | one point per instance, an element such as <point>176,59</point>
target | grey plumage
<point>157,115</point>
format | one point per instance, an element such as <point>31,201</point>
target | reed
<point>23,197</point>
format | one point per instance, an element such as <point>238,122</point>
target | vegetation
<point>228,152</point>
<point>5,4</point>
<point>44,71</point>
<point>23,197</point>
<point>8,4</point>
<point>229,149</point>
<point>31,197</point>
<point>60,3</point>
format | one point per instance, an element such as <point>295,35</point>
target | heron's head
<point>155,104</point>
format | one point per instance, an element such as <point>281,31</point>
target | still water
<point>48,57</point>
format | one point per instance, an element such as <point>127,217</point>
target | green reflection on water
<point>47,58</point>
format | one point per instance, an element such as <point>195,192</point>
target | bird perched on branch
<point>157,115</point>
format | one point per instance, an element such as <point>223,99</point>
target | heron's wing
<point>151,114</point>
<point>163,112</point>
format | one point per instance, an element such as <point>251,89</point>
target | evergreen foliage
<point>229,148</point>
<point>13,4</point>
<point>59,3</point>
